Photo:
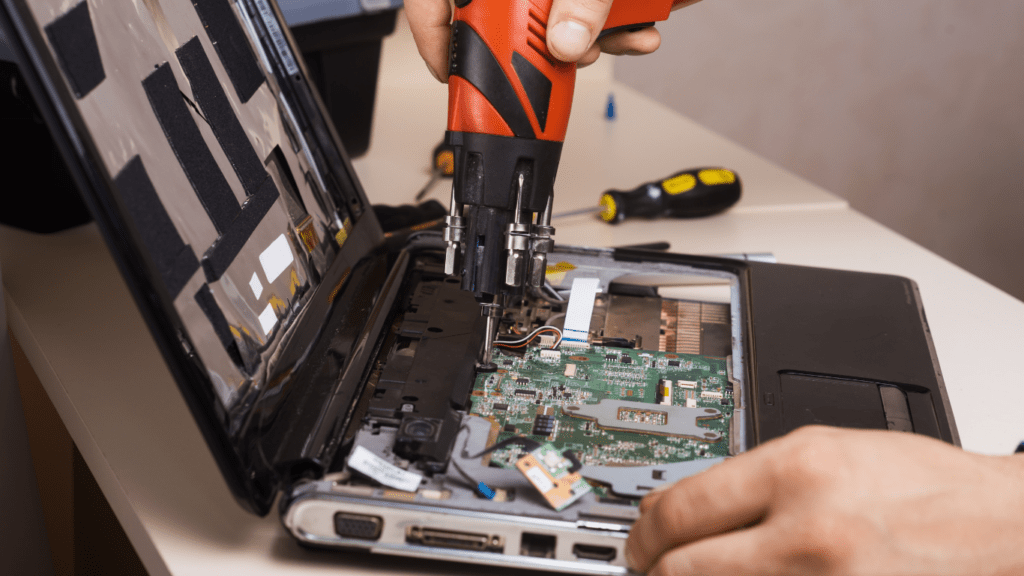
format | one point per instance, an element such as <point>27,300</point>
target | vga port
<point>359,526</point>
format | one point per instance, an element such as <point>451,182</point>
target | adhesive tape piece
<point>276,258</point>
<point>368,463</point>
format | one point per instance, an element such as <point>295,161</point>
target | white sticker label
<point>362,460</point>
<point>539,480</point>
<point>256,285</point>
<point>268,319</point>
<point>276,258</point>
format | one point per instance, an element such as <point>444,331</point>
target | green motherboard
<point>537,392</point>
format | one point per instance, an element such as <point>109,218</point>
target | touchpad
<point>808,399</point>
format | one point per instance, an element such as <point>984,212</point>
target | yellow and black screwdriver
<point>686,194</point>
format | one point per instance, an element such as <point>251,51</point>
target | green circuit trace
<point>528,394</point>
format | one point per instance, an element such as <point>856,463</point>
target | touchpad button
<point>831,401</point>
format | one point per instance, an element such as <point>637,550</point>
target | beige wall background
<point>913,110</point>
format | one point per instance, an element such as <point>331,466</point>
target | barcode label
<point>278,37</point>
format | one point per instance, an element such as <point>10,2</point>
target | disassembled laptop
<point>333,369</point>
<point>544,460</point>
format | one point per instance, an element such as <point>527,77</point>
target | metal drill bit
<point>454,230</point>
<point>540,244</point>
<point>516,241</point>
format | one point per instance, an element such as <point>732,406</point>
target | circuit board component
<point>632,407</point>
<point>544,422</point>
<point>553,475</point>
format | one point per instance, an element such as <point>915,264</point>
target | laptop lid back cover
<point>224,196</point>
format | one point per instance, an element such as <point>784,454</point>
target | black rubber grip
<point>473,60</point>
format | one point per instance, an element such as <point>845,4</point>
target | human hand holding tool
<point>510,93</point>
<point>574,32</point>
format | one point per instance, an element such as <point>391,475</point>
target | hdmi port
<point>588,552</point>
<point>453,539</point>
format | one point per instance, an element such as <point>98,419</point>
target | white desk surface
<point>73,316</point>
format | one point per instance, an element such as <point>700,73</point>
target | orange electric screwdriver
<point>508,108</point>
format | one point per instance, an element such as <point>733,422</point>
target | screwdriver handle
<point>686,194</point>
<point>443,160</point>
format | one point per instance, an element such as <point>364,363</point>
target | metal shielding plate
<point>649,418</point>
<point>631,316</point>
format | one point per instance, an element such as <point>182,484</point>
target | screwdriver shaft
<point>435,175</point>
<point>580,212</point>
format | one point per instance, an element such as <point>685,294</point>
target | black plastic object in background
<point>408,215</point>
<point>46,200</point>
<point>343,58</point>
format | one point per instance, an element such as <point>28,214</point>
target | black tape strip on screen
<point>217,110</point>
<point>208,304</point>
<point>223,251</point>
<point>189,146</point>
<point>74,40</point>
<point>175,261</point>
<point>232,45</point>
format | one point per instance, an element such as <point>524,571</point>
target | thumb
<point>430,22</point>
<point>573,26</point>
